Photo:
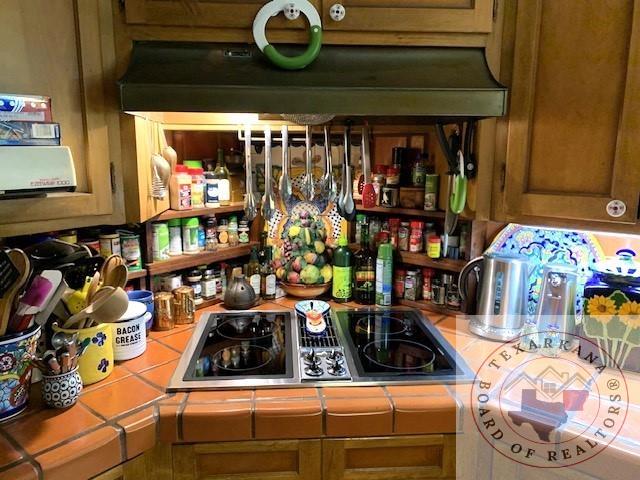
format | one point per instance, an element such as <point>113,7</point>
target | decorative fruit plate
<point>301,290</point>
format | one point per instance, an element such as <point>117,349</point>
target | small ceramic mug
<point>96,362</point>
<point>61,391</point>
<point>146,297</point>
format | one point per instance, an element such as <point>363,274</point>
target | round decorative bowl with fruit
<point>301,290</point>
<point>304,267</point>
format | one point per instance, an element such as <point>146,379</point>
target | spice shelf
<point>429,306</point>
<point>421,259</point>
<point>199,212</point>
<point>208,303</point>
<point>414,212</point>
<point>182,262</point>
<point>133,274</point>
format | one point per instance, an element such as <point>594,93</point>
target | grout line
<point>393,408</point>
<point>179,413</point>
<point>16,445</point>
<point>94,412</point>
<point>38,468</point>
<point>324,410</point>
<point>122,437</point>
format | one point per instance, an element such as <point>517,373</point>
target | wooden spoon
<point>21,263</point>
<point>117,276</point>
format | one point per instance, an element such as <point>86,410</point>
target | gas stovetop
<point>364,346</point>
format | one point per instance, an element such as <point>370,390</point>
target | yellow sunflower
<point>601,308</point>
<point>630,314</point>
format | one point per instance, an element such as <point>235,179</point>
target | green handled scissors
<point>291,8</point>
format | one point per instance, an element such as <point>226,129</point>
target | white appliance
<point>35,171</point>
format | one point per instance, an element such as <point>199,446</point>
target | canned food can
<point>130,246</point>
<point>110,245</point>
<point>160,241</point>
<point>431,191</point>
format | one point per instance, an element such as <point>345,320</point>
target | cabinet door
<point>201,13</point>
<point>393,458</point>
<point>66,54</point>
<point>573,142</point>
<point>279,460</point>
<point>459,16</point>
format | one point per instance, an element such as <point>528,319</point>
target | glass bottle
<point>263,247</point>
<point>253,271</point>
<point>342,272</point>
<point>268,278</point>
<point>221,173</point>
<point>364,275</point>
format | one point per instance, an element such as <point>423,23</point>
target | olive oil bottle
<point>342,272</point>
<point>364,271</point>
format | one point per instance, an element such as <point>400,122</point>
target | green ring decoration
<point>300,61</point>
<point>274,8</point>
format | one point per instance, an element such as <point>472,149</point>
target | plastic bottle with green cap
<point>342,272</point>
<point>384,275</point>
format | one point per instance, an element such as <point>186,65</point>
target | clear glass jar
<point>209,285</point>
<point>223,234</point>
<point>194,279</point>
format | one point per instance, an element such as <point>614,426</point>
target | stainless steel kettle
<point>503,284</point>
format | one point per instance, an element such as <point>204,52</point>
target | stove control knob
<point>336,370</point>
<point>335,356</point>
<point>314,370</point>
<point>311,358</point>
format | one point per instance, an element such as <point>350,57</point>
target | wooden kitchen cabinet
<point>192,13</point>
<point>454,16</point>
<point>393,458</point>
<point>573,131</point>
<point>67,54</point>
<point>260,460</point>
<point>367,21</point>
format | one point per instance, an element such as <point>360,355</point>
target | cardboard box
<point>29,133</point>
<point>25,108</point>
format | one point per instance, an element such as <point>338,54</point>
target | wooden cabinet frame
<point>100,155</point>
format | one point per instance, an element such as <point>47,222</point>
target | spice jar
<point>378,182</point>
<point>434,246</point>
<point>403,237</point>
<point>209,285</point>
<point>438,296</point>
<point>223,234</point>
<point>234,237</point>
<point>197,187</point>
<point>393,177</point>
<point>175,237</point>
<point>390,196</point>
<point>427,278</point>
<point>415,239</point>
<point>160,237</point>
<point>243,231</point>
<point>211,234</point>
<point>412,285</point>
<point>194,278</point>
<point>398,283</point>
<point>453,298</point>
<point>190,232</point>
<point>394,227</point>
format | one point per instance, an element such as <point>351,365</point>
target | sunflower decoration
<point>630,314</point>
<point>601,308</point>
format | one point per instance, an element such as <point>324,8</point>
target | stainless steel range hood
<point>344,80</point>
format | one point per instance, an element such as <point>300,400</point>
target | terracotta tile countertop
<point>129,412</point>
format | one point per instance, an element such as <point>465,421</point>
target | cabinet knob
<point>616,208</point>
<point>337,12</point>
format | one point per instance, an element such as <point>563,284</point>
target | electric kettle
<point>503,290</point>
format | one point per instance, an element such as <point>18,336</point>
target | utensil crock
<point>16,351</point>
<point>96,362</point>
<point>61,391</point>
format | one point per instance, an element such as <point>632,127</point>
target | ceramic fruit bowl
<point>301,290</point>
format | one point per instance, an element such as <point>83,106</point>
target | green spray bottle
<point>384,275</point>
